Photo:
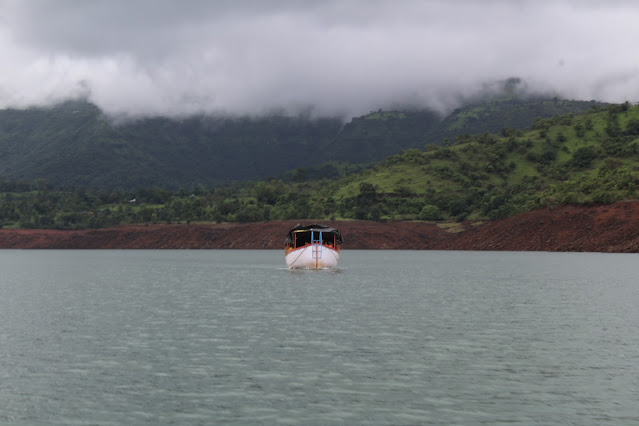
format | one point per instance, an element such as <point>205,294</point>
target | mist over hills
<point>176,59</point>
<point>74,144</point>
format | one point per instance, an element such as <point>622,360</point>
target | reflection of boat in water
<point>312,247</point>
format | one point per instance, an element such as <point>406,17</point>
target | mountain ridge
<point>75,145</point>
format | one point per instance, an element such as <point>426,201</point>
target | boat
<point>312,246</point>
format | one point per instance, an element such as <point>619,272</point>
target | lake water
<point>392,337</point>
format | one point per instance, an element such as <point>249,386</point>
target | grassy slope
<point>485,167</point>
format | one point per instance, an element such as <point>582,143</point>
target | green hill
<point>587,159</point>
<point>379,134</point>
<point>570,159</point>
<point>75,145</point>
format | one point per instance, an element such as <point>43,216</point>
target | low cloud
<point>172,58</point>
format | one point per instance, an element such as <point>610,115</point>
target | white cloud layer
<point>161,57</point>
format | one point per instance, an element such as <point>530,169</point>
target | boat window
<point>303,238</point>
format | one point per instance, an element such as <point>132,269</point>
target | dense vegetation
<point>587,159</point>
<point>568,159</point>
<point>75,145</point>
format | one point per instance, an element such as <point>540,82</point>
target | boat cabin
<point>301,236</point>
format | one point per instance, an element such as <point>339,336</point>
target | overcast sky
<point>149,57</point>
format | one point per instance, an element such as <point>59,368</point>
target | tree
<point>561,137</point>
<point>375,213</point>
<point>430,212</point>
<point>367,194</point>
<point>268,192</point>
<point>250,213</point>
<point>583,157</point>
<point>632,127</point>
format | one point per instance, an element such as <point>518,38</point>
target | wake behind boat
<point>312,247</point>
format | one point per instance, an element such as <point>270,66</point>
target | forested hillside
<point>75,145</point>
<point>569,159</point>
<point>587,159</point>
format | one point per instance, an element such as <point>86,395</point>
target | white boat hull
<point>314,256</point>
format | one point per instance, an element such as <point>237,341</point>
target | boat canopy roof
<point>313,227</point>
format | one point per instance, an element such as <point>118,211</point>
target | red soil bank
<point>610,228</point>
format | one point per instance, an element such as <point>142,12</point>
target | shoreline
<point>610,228</point>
